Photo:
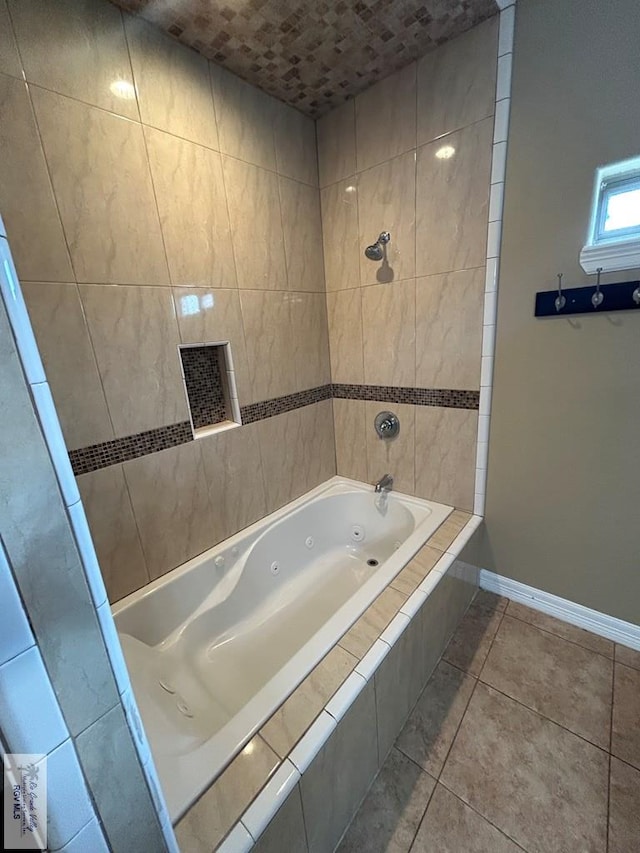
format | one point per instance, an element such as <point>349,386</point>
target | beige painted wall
<point>416,322</point>
<point>197,185</point>
<point>564,461</point>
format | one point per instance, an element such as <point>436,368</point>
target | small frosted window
<point>618,209</point>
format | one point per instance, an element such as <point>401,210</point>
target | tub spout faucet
<point>384,484</point>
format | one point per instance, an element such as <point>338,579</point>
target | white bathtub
<point>216,645</point>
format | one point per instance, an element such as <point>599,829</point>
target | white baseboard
<point>625,633</point>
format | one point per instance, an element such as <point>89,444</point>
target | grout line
<point>558,636</point>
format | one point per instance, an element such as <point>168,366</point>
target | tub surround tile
<point>233,468</point>
<point>453,200</point>
<point>449,475</point>
<point>337,144</point>
<point>449,329</point>
<point>295,139</point>
<point>564,682</point>
<point>192,204</point>
<point>267,327</point>
<point>386,118</point>
<point>344,312</point>
<point>302,228</point>
<point>508,763</point>
<point>113,530</point>
<point>218,318</point>
<point>90,837</point>
<point>368,628</point>
<point>213,815</point>
<point>286,830</point>
<point>387,201</point>
<point>450,825</point>
<point>457,82</point>
<point>69,806</point>
<point>58,322</point>
<point>340,234</point>
<point>245,118</point>
<point>429,732</point>
<point>395,455</point>
<point>15,633</point>
<point>91,38</point>
<point>172,83</point>
<point>258,243</point>
<point>170,499</point>
<point>41,549</point>
<point>272,797</point>
<point>627,656</point>
<point>410,578</point>
<point>9,58</point>
<point>349,429</point>
<point>625,733</point>
<point>135,337</point>
<point>392,810</point>
<point>293,718</point>
<point>309,340</point>
<point>90,154</point>
<point>28,204</point>
<point>412,396</point>
<point>338,777</point>
<point>279,405</point>
<point>561,629</point>
<point>106,751</point>
<point>624,807</point>
<point>472,640</point>
<point>449,529</point>
<point>389,317</point>
<point>288,469</point>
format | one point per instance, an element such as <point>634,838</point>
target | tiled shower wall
<point>417,320</point>
<point>186,211</point>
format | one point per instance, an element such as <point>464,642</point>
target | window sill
<point>611,257</point>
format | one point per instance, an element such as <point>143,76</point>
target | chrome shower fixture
<point>375,252</point>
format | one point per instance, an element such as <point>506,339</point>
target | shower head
<point>375,252</point>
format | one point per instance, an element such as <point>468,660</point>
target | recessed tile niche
<point>209,380</point>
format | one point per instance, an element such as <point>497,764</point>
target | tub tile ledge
<point>261,811</point>
<point>312,742</point>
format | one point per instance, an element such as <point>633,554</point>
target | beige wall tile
<point>389,323</point>
<point>285,728</point>
<point>256,226</point>
<point>174,91</point>
<point>246,118</point>
<point>387,202</point>
<point>209,316</point>
<point>394,456</point>
<point>113,529</point>
<point>135,338</point>
<point>457,82</point>
<point>295,137</point>
<point>286,829</point>
<point>452,202</point>
<point>192,203</point>
<point>28,207</point>
<point>170,499</point>
<point>344,309</point>
<point>340,235</point>
<point>63,340</point>
<point>447,475</point>
<point>98,164</point>
<point>386,118</point>
<point>77,49</point>
<point>213,815</point>
<point>233,468</point>
<point>337,144</point>
<point>367,629</point>
<point>266,318</point>
<point>297,452</point>
<point>302,227</point>
<point>9,59</point>
<point>309,340</point>
<point>449,311</point>
<point>349,428</point>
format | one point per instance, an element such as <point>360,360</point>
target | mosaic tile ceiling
<point>313,54</point>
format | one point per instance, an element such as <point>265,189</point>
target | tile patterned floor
<point>526,738</point>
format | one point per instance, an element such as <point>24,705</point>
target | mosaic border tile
<point>97,456</point>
